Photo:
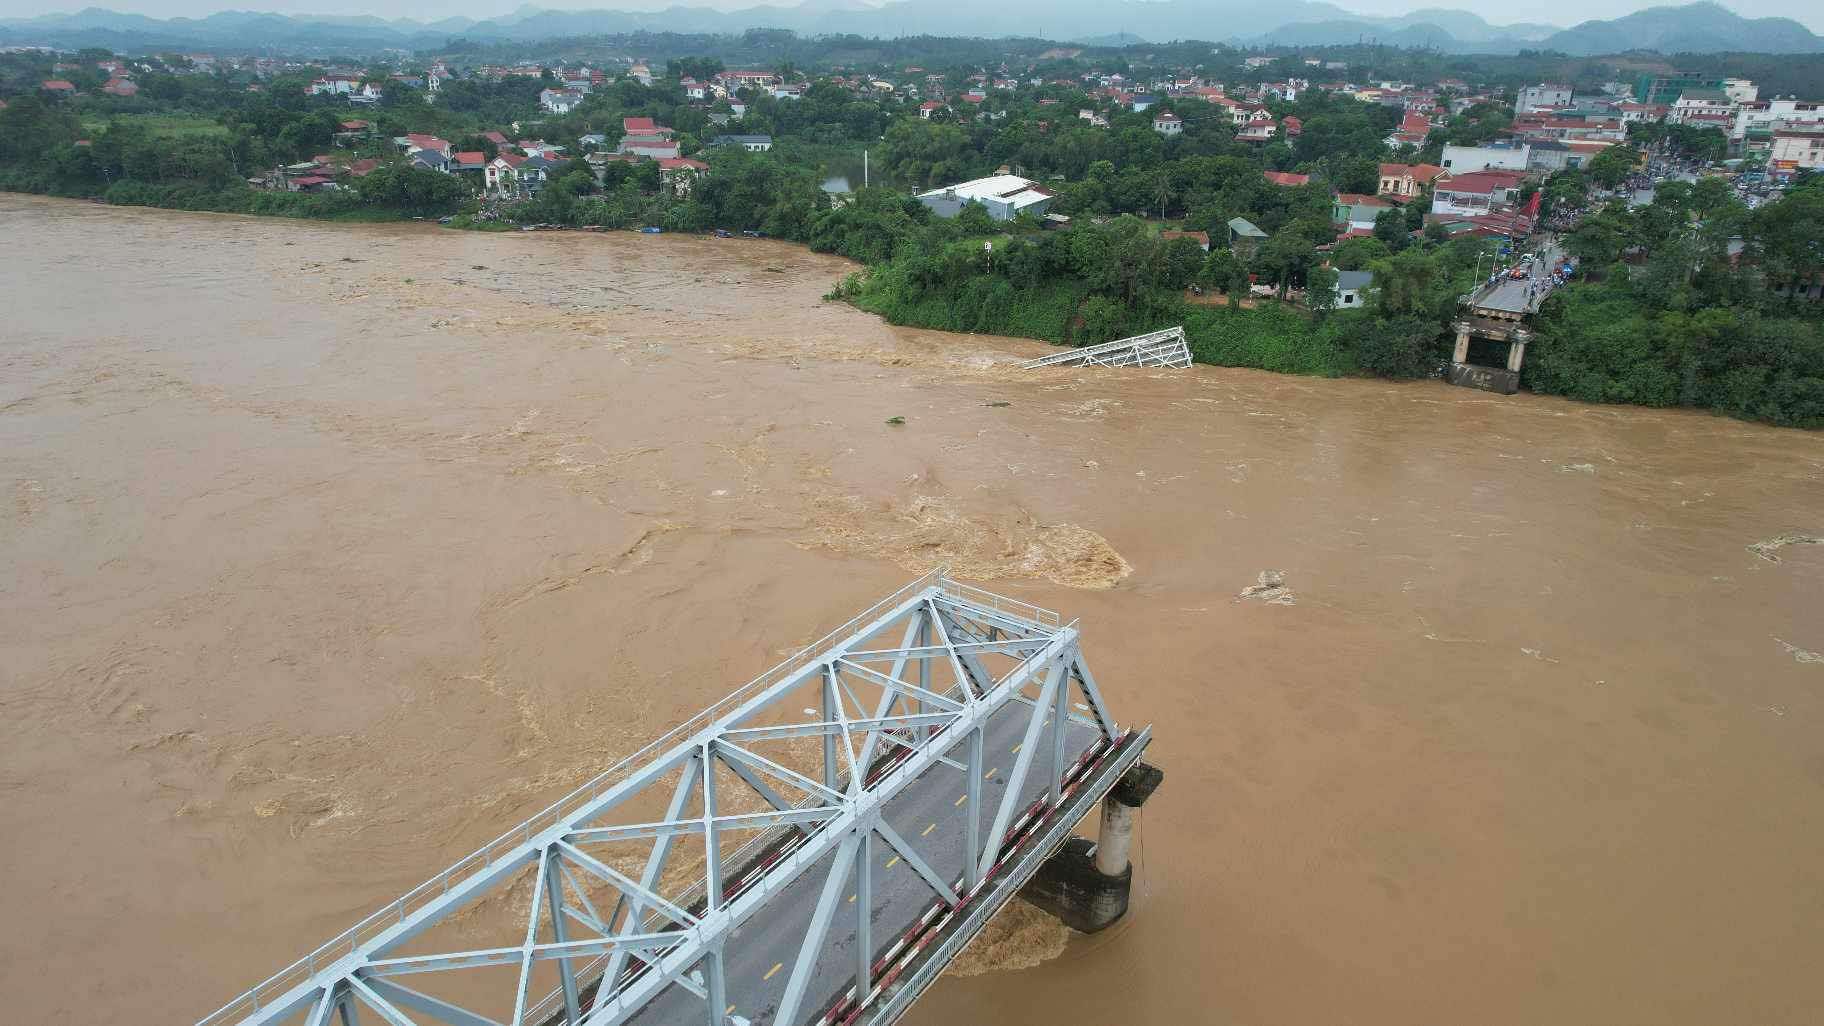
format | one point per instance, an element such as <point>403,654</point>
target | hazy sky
<point>1560,12</point>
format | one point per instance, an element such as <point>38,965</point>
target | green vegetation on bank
<point>1096,282</point>
<point>1702,312</point>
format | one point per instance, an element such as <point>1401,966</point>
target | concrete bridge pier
<point>1516,352</point>
<point>1086,883</point>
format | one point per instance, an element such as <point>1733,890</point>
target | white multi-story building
<point>333,85</point>
<point>1797,148</point>
<point>1700,104</point>
<point>1544,96</point>
<point>560,101</point>
<point>1767,115</point>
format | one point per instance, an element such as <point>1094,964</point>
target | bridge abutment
<point>1489,379</point>
<point>1086,884</point>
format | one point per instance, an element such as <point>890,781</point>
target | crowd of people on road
<point>1563,219</point>
<point>1537,274</point>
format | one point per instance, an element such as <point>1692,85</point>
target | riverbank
<point>233,200</point>
<point>1267,336</point>
<point>1768,368</point>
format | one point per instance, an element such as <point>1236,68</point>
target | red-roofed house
<point>501,174</point>
<point>58,87</point>
<point>1287,178</point>
<point>120,87</point>
<point>413,142</point>
<point>657,147</point>
<point>469,160</point>
<point>1414,127</point>
<point>1405,181</point>
<point>680,172</point>
<point>644,126</point>
<point>928,108</point>
<point>364,167</point>
<point>495,137</point>
<point>1477,192</point>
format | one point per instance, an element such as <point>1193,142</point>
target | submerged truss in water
<point>660,891</point>
<point>1166,348</point>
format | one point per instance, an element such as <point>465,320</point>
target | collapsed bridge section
<point>1167,348</point>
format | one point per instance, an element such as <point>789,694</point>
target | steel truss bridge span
<point>814,848</point>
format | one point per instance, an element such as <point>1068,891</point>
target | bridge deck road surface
<point>1511,296</point>
<point>928,815</point>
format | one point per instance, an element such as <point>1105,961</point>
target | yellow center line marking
<point>991,772</point>
<point>1016,748</point>
<point>927,831</point>
<point>769,973</point>
<point>960,799</point>
<point>894,861</point>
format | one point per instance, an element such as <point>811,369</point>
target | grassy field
<point>169,126</point>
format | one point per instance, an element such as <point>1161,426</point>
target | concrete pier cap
<point>1086,884</point>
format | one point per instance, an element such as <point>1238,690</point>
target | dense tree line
<point>1696,301</point>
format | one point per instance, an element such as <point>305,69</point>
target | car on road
<point>652,229</point>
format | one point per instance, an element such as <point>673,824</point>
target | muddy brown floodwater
<point>329,552</point>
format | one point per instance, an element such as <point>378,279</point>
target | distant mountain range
<point>1693,28</point>
<point>1449,30</point>
<point>1698,27</point>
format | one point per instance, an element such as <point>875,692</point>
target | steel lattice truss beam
<point>636,888</point>
<point>1166,348</point>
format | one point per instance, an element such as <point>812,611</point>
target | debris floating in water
<point>1270,587</point>
<point>1800,655</point>
<point>1769,549</point>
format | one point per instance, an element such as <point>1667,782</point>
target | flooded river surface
<point>329,552</point>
